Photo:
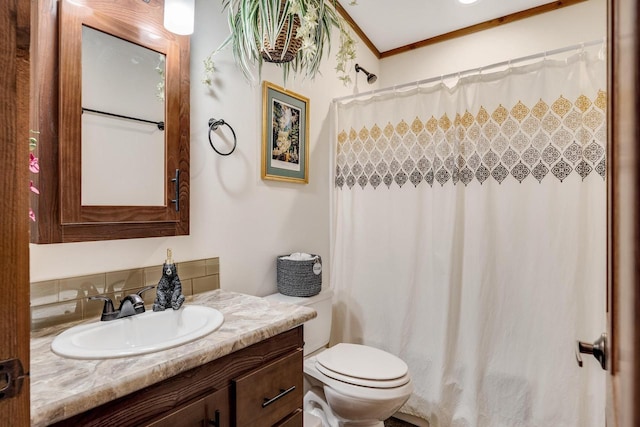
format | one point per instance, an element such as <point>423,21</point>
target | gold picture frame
<point>285,135</point>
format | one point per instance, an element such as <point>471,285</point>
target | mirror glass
<point>123,115</point>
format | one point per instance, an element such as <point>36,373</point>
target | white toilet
<point>348,384</point>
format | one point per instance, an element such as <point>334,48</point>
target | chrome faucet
<point>129,306</point>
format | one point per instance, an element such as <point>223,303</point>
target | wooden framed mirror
<point>114,156</point>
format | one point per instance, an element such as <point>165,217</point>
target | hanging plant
<point>294,34</point>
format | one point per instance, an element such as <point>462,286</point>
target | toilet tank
<point>318,329</point>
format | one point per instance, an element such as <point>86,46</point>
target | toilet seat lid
<point>372,384</point>
<point>362,362</point>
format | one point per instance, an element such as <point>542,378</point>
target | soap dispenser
<point>169,290</point>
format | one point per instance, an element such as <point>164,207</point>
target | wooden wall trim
<point>623,214</point>
<point>15,16</point>
<point>44,119</point>
<point>457,33</point>
<point>356,28</point>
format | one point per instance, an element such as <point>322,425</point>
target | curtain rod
<point>474,70</point>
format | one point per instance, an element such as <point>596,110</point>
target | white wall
<point>247,221</point>
<point>235,215</point>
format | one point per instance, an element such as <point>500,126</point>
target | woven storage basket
<point>297,279</point>
<point>277,53</point>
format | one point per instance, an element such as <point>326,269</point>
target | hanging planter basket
<point>293,34</point>
<point>286,45</point>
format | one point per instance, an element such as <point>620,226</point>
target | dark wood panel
<point>182,228</point>
<point>14,199</point>
<point>191,415</point>
<point>211,410</point>
<point>132,230</point>
<point>294,420</point>
<point>149,403</point>
<point>72,18</point>
<point>127,10</point>
<point>44,120</point>
<point>218,408</point>
<point>269,394</point>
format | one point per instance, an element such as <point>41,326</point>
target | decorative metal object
<point>213,126</point>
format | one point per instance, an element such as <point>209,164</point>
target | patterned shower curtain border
<point>555,139</point>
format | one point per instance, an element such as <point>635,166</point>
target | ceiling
<point>394,26</point>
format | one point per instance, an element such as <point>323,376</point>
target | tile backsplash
<point>65,300</point>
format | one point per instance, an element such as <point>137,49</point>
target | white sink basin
<point>140,334</point>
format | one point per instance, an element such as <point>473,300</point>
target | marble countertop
<point>61,387</point>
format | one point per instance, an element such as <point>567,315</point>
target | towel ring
<point>213,125</point>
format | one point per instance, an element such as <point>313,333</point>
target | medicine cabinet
<point>110,103</point>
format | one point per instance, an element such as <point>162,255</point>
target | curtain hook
<point>603,49</point>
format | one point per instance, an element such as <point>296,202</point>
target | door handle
<point>215,422</point>
<point>283,392</point>
<point>598,349</point>
<point>177,192</point>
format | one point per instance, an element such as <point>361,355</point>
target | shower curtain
<point>469,239</point>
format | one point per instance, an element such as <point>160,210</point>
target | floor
<point>393,422</point>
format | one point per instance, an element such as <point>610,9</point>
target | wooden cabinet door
<point>191,415</point>
<point>210,411</point>
<point>268,394</point>
<point>294,420</point>
<point>217,409</point>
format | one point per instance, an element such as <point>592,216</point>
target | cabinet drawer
<point>268,394</point>
<point>212,410</point>
<point>191,415</point>
<point>217,410</point>
<point>293,420</point>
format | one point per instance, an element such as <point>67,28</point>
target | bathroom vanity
<point>247,373</point>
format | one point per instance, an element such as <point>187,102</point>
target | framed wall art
<point>285,135</point>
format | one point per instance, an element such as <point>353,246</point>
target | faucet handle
<point>136,300</point>
<point>145,289</point>
<point>107,311</point>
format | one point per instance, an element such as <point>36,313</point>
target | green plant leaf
<point>251,22</point>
